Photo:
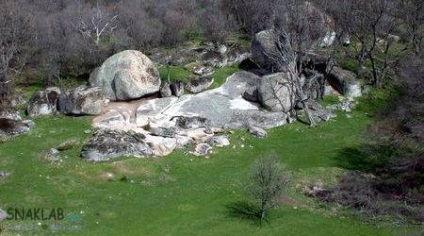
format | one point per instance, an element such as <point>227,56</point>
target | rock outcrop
<point>126,75</point>
<point>163,124</point>
<point>82,100</point>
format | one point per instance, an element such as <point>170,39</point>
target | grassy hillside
<point>178,194</point>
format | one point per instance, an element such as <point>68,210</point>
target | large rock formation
<point>82,100</point>
<point>164,124</point>
<point>276,92</point>
<point>126,75</point>
<point>43,102</point>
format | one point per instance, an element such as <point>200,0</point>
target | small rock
<point>257,132</point>
<point>201,149</point>
<point>108,176</point>
<point>177,88</point>
<point>4,174</point>
<point>197,85</point>
<point>219,141</point>
<point>53,151</point>
<point>28,123</point>
<point>202,70</point>
<point>87,131</point>
<point>3,215</point>
<point>165,90</point>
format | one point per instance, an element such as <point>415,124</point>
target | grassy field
<point>180,194</point>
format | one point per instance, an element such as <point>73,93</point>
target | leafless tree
<point>297,28</point>
<point>412,14</point>
<point>268,182</point>
<point>16,34</point>
<point>370,24</point>
<point>97,24</point>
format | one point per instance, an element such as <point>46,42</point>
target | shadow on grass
<point>365,158</point>
<point>244,210</point>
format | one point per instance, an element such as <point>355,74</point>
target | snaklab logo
<point>37,214</point>
<point>38,219</point>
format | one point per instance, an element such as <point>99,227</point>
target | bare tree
<point>268,183</point>
<point>412,14</point>
<point>16,33</point>
<point>100,23</point>
<point>371,25</point>
<point>297,27</point>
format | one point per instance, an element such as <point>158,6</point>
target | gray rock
<point>146,112</point>
<point>177,88</point>
<point>164,132</point>
<point>345,82</point>
<point>3,215</point>
<point>257,132</point>
<point>165,90</point>
<point>10,128</point>
<point>202,70</point>
<point>276,92</point>
<point>219,141</point>
<point>319,113</point>
<point>82,100</point>
<point>126,75</point>
<point>109,144</point>
<point>193,122</point>
<point>265,52</point>
<point>224,107</point>
<point>202,149</point>
<point>197,85</point>
<point>4,174</point>
<point>43,102</point>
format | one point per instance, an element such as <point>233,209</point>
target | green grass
<point>182,74</point>
<point>178,194</point>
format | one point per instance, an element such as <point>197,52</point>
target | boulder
<point>109,144</point>
<point>345,82</point>
<point>197,85</point>
<point>11,128</point>
<point>265,52</point>
<point>177,88</point>
<point>276,92</point>
<point>82,100</point>
<point>257,132</point>
<point>165,90</point>
<point>126,75</point>
<point>43,102</point>
<point>219,141</point>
